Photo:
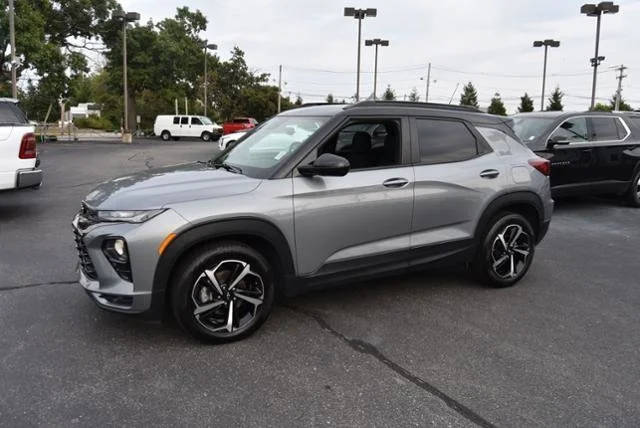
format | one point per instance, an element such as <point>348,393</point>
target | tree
<point>526,104</point>
<point>602,107</point>
<point>497,106</point>
<point>469,96</point>
<point>389,94</point>
<point>299,101</point>
<point>414,96</point>
<point>623,105</point>
<point>330,99</point>
<point>555,100</point>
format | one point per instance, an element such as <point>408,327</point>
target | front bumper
<point>28,178</point>
<point>99,278</point>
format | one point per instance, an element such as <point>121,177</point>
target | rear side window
<point>176,120</point>
<point>605,129</point>
<point>10,114</point>
<point>240,120</point>
<point>184,120</point>
<point>443,141</point>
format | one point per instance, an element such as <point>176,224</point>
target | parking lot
<point>559,348</point>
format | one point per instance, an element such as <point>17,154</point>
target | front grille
<point>85,261</point>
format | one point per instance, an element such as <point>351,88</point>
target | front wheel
<point>506,251</point>
<point>206,136</point>
<point>633,194</point>
<point>222,293</point>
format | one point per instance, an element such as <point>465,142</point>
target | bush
<point>93,122</point>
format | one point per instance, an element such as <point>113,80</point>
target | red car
<point>238,124</point>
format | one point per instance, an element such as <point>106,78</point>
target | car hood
<point>159,187</point>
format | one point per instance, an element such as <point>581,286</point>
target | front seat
<point>361,154</point>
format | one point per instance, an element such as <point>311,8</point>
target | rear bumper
<point>28,178</point>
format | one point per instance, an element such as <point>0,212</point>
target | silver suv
<point>320,194</point>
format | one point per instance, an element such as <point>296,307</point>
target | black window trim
<point>591,143</point>
<point>482,147</point>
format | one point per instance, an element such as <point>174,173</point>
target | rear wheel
<point>633,194</point>
<point>223,292</point>
<point>165,135</point>
<point>206,136</point>
<point>506,251</point>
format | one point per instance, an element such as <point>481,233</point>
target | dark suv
<point>590,153</point>
<point>319,194</point>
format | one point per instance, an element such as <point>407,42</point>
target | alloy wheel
<point>638,188</point>
<point>228,297</point>
<point>510,251</point>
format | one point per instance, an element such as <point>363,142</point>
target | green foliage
<point>414,96</point>
<point>389,94</point>
<point>299,101</point>
<point>469,96</point>
<point>623,105</point>
<point>555,100</point>
<point>526,104</point>
<point>497,106</point>
<point>602,107</point>
<point>330,99</point>
<point>93,122</point>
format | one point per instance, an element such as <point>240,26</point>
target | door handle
<point>395,182</point>
<point>490,173</point>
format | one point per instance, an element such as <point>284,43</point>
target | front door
<point>361,220</point>
<point>196,127</point>
<point>573,165</point>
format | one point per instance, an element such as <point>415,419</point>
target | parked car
<point>18,156</point>
<point>291,208</point>
<point>228,139</point>
<point>590,152</point>
<point>238,124</point>
<point>173,127</point>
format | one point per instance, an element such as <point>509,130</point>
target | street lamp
<point>376,43</point>
<point>597,11</point>
<point>546,43</point>
<point>359,14</point>
<point>125,18</point>
<point>207,47</point>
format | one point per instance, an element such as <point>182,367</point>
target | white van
<point>168,127</point>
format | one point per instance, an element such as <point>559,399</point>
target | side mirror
<point>327,164</point>
<point>558,140</point>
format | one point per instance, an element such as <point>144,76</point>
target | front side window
<point>196,121</point>
<point>367,144</point>
<point>205,120</point>
<point>574,130</point>
<point>530,128</point>
<point>269,145</point>
<point>443,141</point>
<point>184,120</point>
<point>606,129</point>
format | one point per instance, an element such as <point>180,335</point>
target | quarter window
<point>443,141</point>
<point>574,130</point>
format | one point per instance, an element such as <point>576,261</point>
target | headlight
<point>138,216</point>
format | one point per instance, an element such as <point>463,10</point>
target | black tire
<point>193,290</point>
<point>206,136</point>
<point>487,266</point>
<point>165,135</point>
<point>633,194</point>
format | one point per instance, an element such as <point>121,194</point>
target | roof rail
<point>319,104</point>
<point>370,103</point>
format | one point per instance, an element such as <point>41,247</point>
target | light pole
<point>213,47</point>
<point>125,18</point>
<point>597,11</point>
<point>376,43</point>
<point>546,43</point>
<point>359,14</point>
<point>12,41</point>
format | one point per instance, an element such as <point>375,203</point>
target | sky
<point>486,42</point>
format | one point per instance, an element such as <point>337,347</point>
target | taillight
<point>542,165</point>
<point>28,146</point>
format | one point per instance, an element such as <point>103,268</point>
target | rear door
<point>611,137</point>
<point>361,220</point>
<point>456,173</point>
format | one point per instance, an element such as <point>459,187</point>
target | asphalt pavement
<point>561,348</point>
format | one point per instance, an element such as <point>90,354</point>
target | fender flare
<point>504,202</point>
<point>200,233</point>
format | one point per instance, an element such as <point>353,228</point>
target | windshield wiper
<point>228,167</point>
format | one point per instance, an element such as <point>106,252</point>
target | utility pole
<point>12,38</point>
<point>279,87</point>
<point>207,46</point>
<point>176,105</point>
<point>186,107</point>
<point>426,96</point>
<point>126,18</point>
<point>621,76</point>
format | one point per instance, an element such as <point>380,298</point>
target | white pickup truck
<point>18,157</point>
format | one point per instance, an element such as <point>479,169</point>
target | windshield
<point>206,120</point>
<point>530,128</point>
<point>261,151</point>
